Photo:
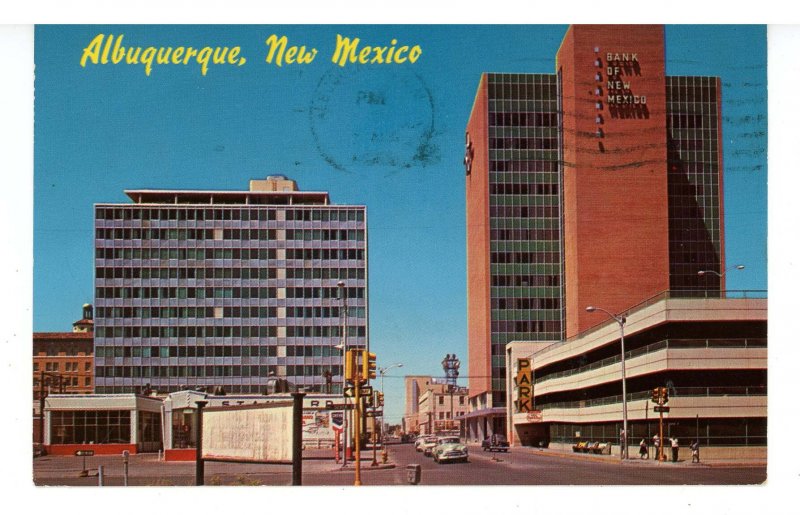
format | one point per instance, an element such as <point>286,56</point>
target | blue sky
<point>388,136</point>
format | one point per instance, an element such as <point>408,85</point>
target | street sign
<point>661,409</point>
<point>366,391</point>
<point>84,453</point>
<point>339,406</point>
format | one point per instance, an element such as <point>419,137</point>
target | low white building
<point>105,424</point>
<point>710,354</point>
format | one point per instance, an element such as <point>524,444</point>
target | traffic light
<point>655,396</point>
<point>369,366</point>
<point>665,394</point>
<point>350,365</point>
<point>380,398</point>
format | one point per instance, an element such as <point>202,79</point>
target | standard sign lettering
<point>524,383</point>
<point>618,66</point>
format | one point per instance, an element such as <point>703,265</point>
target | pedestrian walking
<point>643,449</point>
<point>657,445</point>
<point>695,451</point>
<point>674,441</point>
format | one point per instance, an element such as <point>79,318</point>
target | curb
<point>364,468</point>
<point>645,463</point>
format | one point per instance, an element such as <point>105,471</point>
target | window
<point>82,427</point>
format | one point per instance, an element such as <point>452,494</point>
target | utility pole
<point>357,389</point>
<point>343,297</point>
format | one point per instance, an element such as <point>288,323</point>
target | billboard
<point>255,433</point>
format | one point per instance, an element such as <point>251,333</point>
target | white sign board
<point>257,433</point>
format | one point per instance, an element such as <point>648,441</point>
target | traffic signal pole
<point>374,430</point>
<point>357,428</point>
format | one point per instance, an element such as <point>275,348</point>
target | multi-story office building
<point>710,354</point>
<point>226,289</point>
<point>599,184</point>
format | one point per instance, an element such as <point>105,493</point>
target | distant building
<point>63,363</point>
<point>442,410</point>
<point>226,289</point>
<point>427,405</point>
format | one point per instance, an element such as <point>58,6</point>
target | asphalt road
<point>518,467</point>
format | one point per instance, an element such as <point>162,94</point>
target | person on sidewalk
<point>674,441</point>
<point>657,445</point>
<point>643,449</point>
<point>695,451</point>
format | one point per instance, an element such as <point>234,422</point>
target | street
<point>517,467</point>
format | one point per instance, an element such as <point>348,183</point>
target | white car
<point>418,443</point>
<point>450,448</point>
<point>428,444</point>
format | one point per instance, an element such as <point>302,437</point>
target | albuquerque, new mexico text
<point>108,49</point>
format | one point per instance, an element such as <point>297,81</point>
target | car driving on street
<point>428,444</point>
<point>495,442</point>
<point>450,448</point>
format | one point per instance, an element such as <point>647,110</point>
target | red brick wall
<point>615,186</point>
<point>478,280</point>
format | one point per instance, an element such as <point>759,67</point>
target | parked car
<point>418,443</point>
<point>428,444</point>
<point>495,443</point>
<point>450,448</point>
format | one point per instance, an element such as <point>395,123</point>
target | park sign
<point>524,384</point>
<point>259,433</point>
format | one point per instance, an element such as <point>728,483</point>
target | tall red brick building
<point>599,184</point>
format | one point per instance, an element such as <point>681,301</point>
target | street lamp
<point>383,408</point>
<point>621,321</point>
<point>720,275</point>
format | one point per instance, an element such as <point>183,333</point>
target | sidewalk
<point>633,460</point>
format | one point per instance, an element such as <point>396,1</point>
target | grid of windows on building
<point>716,432</point>
<point>694,182</point>
<point>192,295</point>
<point>525,213</point>
<point>83,427</point>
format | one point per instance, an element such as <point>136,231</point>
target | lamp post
<point>383,371</point>
<point>621,321</point>
<point>342,295</point>
<point>718,274</point>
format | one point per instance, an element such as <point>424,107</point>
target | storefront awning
<point>487,412</point>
